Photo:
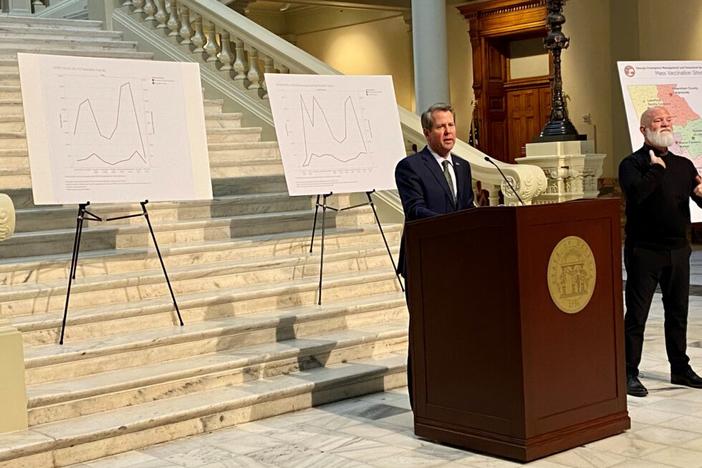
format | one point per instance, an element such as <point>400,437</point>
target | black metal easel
<point>324,207</point>
<point>84,214</point>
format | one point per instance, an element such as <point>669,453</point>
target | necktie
<point>449,179</point>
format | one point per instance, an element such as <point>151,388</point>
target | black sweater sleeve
<point>639,179</point>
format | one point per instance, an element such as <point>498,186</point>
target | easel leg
<point>321,258</point>
<point>74,265</point>
<point>163,266</point>
<point>387,247</point>
<point>314,224</point>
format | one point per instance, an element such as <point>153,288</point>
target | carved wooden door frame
<point>492,25</point>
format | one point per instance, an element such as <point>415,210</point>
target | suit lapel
<point>459,169</point>
<point>435,170</point>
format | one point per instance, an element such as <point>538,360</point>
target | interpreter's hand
<point>698,189</point>
<point>655,159</point>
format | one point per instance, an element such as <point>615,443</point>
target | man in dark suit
<point>432,182</point>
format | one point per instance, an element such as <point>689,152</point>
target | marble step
<point>10,92</point>
<point>9,77</point>
<point>83,354</point>
<point>222,120</point>
<point>18,158</point>
<point>120,325</point>
<point>312,343</point>
<point>133,286</point>
<point>43,45</point>
<point>64,217</point>
<point>32,22</point>
<point>13,140</point>
<point>213,105</point>
<point>14,122</point>
<point>8,64</point>
<point>230,168</point>
<point>230,152</point>
<point>14,106</point>
<point>19,177</point>
<point>14,178</point>
<point>110,321</point>
<point>10,122</point>
<point>234,135</point>
<point>17,139</point>
<point>109,237</point>
<point>221,187</point>
<point>93,436</point>
<point>99,263</point>
<point>11,52</point>
<point>19,33</point>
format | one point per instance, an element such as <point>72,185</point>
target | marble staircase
<point>254,344</point>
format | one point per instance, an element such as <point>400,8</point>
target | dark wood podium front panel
<point>475,332</point>
<point>498,368</point>
<point>588,382</point>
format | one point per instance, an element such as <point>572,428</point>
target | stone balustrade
<point>572,169</point>
<point>243,51</point>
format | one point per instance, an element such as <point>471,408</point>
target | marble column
<point>429,44</point>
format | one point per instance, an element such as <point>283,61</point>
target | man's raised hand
<point>655,159</point>
<point>698,188</point>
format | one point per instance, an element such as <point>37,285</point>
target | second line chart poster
<point>336,133</point>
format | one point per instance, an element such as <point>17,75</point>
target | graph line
<point>135,153</point>
<point>311,117</point>
<point>142,155</point>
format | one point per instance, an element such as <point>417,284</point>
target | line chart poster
<point>114,130</point>
<point>336,133</point>
<point>677,86</point>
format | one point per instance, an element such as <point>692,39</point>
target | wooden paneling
<point>528,110</point>
<point>493,25</point>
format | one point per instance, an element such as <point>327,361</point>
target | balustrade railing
<point>243,51</point>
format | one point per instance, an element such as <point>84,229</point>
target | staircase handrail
<point>63,9</point>
<point>210,19</point>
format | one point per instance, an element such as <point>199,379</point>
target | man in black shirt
<point>657,185</point>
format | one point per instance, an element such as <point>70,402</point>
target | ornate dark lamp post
<point>559,127</point>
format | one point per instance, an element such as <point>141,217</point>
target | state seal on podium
<point>571,274</point>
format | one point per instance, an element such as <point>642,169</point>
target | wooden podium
<point>498,367</point>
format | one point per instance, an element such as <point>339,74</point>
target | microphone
<point>489,159</point>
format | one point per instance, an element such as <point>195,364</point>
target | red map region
<point>676,105</point>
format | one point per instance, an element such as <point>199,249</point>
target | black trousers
<point>409,349</point>
<point>645,269</point>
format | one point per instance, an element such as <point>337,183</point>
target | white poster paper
<point>336,133</point>
<point>677,86</point>
<point>113,130</point>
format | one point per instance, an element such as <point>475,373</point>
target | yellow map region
<point>643,97</point>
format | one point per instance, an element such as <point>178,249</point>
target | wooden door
<point>528,109</point>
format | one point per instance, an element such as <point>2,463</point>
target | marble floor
<point>376,430</point>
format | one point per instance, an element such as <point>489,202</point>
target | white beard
<point>660,139</point>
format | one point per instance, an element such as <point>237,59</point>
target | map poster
<point>336,133</point>
<point>105,130</point>
<point>677,86</point>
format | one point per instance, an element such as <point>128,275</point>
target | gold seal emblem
<point>571,274</point>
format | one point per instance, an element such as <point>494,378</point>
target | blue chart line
<point>107,136</point>
<point>310,117</point>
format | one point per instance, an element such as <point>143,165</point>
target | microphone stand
<point>489,159</point>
